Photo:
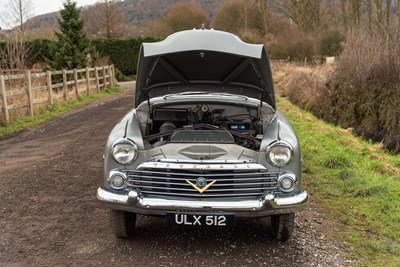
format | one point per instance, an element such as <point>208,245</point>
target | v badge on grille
<point>201,184</point>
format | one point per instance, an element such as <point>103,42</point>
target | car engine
<point>211,123</point>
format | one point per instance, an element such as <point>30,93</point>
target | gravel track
<point>49,215</point>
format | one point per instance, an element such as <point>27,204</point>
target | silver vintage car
<point>205,143</point>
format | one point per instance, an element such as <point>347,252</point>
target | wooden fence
<point>25,94</point>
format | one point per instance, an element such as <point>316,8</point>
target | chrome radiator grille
<point>228,183</point>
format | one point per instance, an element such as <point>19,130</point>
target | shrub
<point>241,18</point>
<point>294,46</point>
<point>307,87</point>
<point>361,91</point>
<point>330,43</point>
<point>367,88</point>
<point>121,77</point>
<point>123,53</point>
<point>183,16</point>
<point>176,17</point>
<point>39,50</point>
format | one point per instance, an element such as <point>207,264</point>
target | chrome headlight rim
<point>112,175</point>
<point>279,143</point>
<point>290,176</point>
<point>125,141</point>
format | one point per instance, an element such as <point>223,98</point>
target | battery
<point>238,126</point>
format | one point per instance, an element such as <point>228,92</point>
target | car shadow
<point>249,243</point>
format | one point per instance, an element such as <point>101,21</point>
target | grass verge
<point>357,181</point>
<point>50,112</point>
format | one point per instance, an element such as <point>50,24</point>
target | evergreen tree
<point>72,48</point>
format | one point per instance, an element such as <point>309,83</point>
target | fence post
<point>76,83</point>
<point>110,82</point>
<point>30,98</point>
<point>109,75</point>
<point>49,87</point>
<point>65,88</point>
<point>104,77</point>
<point>113,74</point>
<point>4,97</point>
<point>87,81</point>
<point>96,73</point>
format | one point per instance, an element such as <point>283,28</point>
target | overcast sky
<point>46,6</point>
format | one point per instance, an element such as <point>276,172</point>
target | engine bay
<point>204,123</point>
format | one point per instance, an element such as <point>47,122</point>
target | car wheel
<point>282,226</point>
<point>123,223</point>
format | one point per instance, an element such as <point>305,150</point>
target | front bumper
<point>269,205</point>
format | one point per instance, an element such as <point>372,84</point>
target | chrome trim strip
<point>209,161</point>
<point>131,201</point>
<point>286,201</point>
<point>189,189</point>
<point>196,166</point>
<point>107,196</point>
<point>247,175</point>
<point>196,194</point>
<point>133,181</point>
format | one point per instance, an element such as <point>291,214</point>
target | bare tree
<point>352,12</point>
<point>355,12</point>
<point>383,13</point>
<point>16,13</point>
<point>398,16</point>
<point>388,11</point>
<point>264,5</point>
<point>15,16</point>
<point>368,4</point>
<point>242,18</point>
<point>105,19</point>
<point>374,14</point>
<point>343,4</point>
<point>183,16</point>
<point>177,17</point>
<point>305,14</point>
<point>15,54</point>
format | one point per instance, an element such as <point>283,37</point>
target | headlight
<point>124,151</point>
<point>117,180</point>
<point>279,153</point>
<point>287,182</point>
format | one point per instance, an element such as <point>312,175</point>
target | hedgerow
<point>123,53</point>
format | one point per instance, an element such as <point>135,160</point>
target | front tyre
<point>123,223</point>
<point>282,226</point>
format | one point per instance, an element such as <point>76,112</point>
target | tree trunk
<point>398,16</point>
<point>369,10</point>
<point>21,16</point>
<point>379,15</point>
<point>263,4</point>
<point>387,14</point>
<point>344,13</point>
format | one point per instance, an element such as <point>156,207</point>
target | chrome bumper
<point>269,205</point>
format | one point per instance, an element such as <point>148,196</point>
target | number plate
<point>201,219</point>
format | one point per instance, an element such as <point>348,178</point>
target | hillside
<point>136,11</point>
<point>140,10</point>
<point>45,20</point>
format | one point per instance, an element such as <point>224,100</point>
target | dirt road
<point>49,215</point>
